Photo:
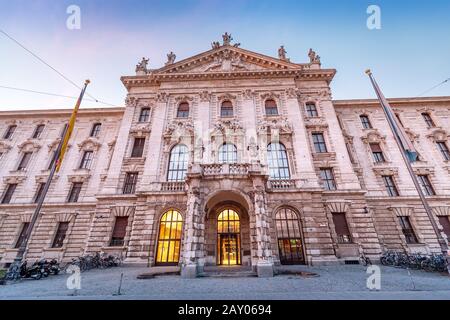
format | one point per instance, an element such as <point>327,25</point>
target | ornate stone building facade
<point>229,157</point>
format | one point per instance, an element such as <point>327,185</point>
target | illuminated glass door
<point>169,239</point>
<point>228,238</point>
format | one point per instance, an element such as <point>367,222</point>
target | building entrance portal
<point>228,238</point>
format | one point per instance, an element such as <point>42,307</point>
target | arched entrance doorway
<point>289,235</point>
<point>169,239</point>
<point>228,238</point>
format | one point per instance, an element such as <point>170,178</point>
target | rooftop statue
<point>141,67</point>
<point>313,57</point>
<point>171,58</point>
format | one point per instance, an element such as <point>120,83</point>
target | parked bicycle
<point>431,263</point>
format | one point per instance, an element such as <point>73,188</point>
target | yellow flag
<point>70,127</point>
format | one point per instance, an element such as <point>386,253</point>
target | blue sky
<point>411,53</point>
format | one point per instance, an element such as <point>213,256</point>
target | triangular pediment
<point>227,59</point>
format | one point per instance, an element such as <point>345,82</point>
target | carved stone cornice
<point>78,178</point>
<point>226,96</point>
<point>373,136</point>
<point>29,145</point>
<point>14,179</point>
<point>316,123</point>
<point>281,124</point>
<point>180,127</point>
<point>385,171</point>
<point>422,170</point>
<point>438,134</point>
<point>140,130</point>
<point>89,144</point>
<point>269,95</point>
<point>44,178</point>
<point>183,98</point>
<point>55,143</point>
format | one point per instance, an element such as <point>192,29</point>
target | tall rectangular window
<point>38,131</point>
<point>74,193</point>
<point>445,223</point>
<point>22,235</point>
<point>341,227</point>
<point>398,119</point>
<point>319,142</point>
<point>119,232</point>
<point>327,177</point>
<point>39,191</point>
<point>7,196</point>
<point>391,188</point>
<point>408,230</point>
<point>138,148</point>
<point>95,132</point>
<point>311,110</point>
<point>9,132</point>
<point>145,115</point>
<point>425,183</point>
<point>24,161</point>
<point>442,146</point>
<point>428,120</point>
<point>365,122</point>
<point>52,160</point>
<point>86,161</point>
<point>377,153</point>
<point>60,235</point>
<point>129,186</point>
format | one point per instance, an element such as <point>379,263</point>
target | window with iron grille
<point>341,227</point>
<point>278,162</point>
<point>178,163</point>
<point>96,130</point>
<point>74,193</point>
<point>445,223</point>
<point>7,196</point>
<point>144,115</point>
<point>138,148</point>
<point>377,153</point>
<point>119,232</point>
<point>442,146</point>
<point>9,132</point>
<point>22,235</point>
<point>426,185</point>
<point>311,110</point>
<point>327,177</point>
<point>319,142</point>
<point>226,109</point>
<point>38,131</point>
<point>227,153</point>
<point>86,161</point>
<point>183,110</point>
<point>271,107</point>
<point>365,122</point>
<point>129,186</point>
<point>408,230</point>
<point>60,235</point>
<point>39,191</point>
<point>391,188</point>
<point>24,161</point>
<point>428,120</point>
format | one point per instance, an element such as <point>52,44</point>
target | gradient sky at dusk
<point>411,53</point>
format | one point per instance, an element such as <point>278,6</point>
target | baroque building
<point>229,157</point>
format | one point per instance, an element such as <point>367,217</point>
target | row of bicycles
<point>95,261</point>
<point>430,263</point>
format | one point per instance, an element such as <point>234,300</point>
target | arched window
<point>289,236</point>
<point>271,107</point>
<point>228,153</point>
<point>183,110</point>
<point>278,161</point>
<point>226,109</point>
<point>169,239</point>
<point>178,163</point>
<point>228,238</point>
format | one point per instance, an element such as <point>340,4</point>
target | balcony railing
<point>173,186</point>
<point>284,184</point>
<point>225,169</point>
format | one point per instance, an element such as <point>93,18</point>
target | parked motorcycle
<point>33,272</point>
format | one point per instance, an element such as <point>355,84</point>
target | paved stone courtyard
<point>332,282</point>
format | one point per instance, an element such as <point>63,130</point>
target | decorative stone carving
<point>14,179</point>
<point>162,97</point>
<point>292,93</point>
<point>4,146</point>
<point>413,137</point>
<point>81,178</point>
<point>183,98</point>
<point>215,45</point>
<point>248,94</point>
<point>171,58</point>
<point>131,102</point>
<point>44,178</point>
<point>29,146</point>
<point>89,144</point>
<point>338,206</point>
<point>281,124</point>
<point>181,128</point>
<point>205,96</point>
<point>141,67</point>
<point>227,38</point>
<point>140,130</point>
<point>225,125</point>
<point>423,170</point>
<point>269,95</point>
<point>226,96</point>
<point>438,134</point>
<point>373,136</point>
<point>313,57</point>
<point>122,211</point>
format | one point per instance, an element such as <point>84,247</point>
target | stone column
<point>193,239</point>
<point>264,265</point>
<point>112,181</point>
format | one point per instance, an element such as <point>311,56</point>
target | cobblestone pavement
<point>333,282</point>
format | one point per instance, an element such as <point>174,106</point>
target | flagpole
<point>407,160</point>
<point>14,270</point>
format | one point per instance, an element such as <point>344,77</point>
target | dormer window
<point>271,107</point>
<point>95,132</point>
<point>227,109</point>
<point>183,110</point>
